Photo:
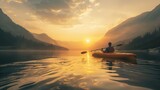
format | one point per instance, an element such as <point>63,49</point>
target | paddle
<point>83,52</point>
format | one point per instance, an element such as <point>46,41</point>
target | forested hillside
<point>149,40</point>
<point>8,41</point>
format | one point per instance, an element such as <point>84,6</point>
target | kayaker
<point>109,49</point>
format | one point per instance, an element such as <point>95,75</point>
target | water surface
<point>48,70</point>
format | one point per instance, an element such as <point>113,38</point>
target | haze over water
<point>74,71</point>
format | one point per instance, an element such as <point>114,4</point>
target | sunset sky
<point>73,20</point>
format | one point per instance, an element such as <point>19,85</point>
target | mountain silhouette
<point>8,25</point>
<point>133,27</point>
<point>45,38</point>
<point>14,36</point>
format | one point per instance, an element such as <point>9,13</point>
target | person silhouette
<point>109,49</point>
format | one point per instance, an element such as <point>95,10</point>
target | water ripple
<point>79,73</point>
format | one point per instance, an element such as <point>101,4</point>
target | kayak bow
<point>122,56</point>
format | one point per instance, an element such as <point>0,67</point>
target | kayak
<point>122,56</point>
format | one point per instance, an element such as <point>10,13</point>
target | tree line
<point>147,41</point>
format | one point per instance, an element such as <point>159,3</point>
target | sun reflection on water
<point>82,72</point>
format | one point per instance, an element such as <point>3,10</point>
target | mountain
<point>150,40</point>
<point>8,41</point>
<point>8,25</point>
<point>68,44</point>
<point>14,36</point>
<point>45,38</point>
<point>133,27</point>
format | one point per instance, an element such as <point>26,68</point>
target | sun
<point>88,40</point>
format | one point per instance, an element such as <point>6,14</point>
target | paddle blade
<point>83,52</point>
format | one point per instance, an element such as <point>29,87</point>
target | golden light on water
<point>79,71</point>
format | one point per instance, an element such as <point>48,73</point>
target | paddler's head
<point>109,44</point>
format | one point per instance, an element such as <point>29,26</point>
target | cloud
<point>57,11</point>
<point>60,12</point>
<point>15,1</point>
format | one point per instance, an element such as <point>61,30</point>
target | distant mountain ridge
<point>8,25</point>
<point>68,44</point>
<point>45,38</point>
<point>19,37</point>
<point>133,27</point>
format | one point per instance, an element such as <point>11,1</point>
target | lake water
<point>47,70</point>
